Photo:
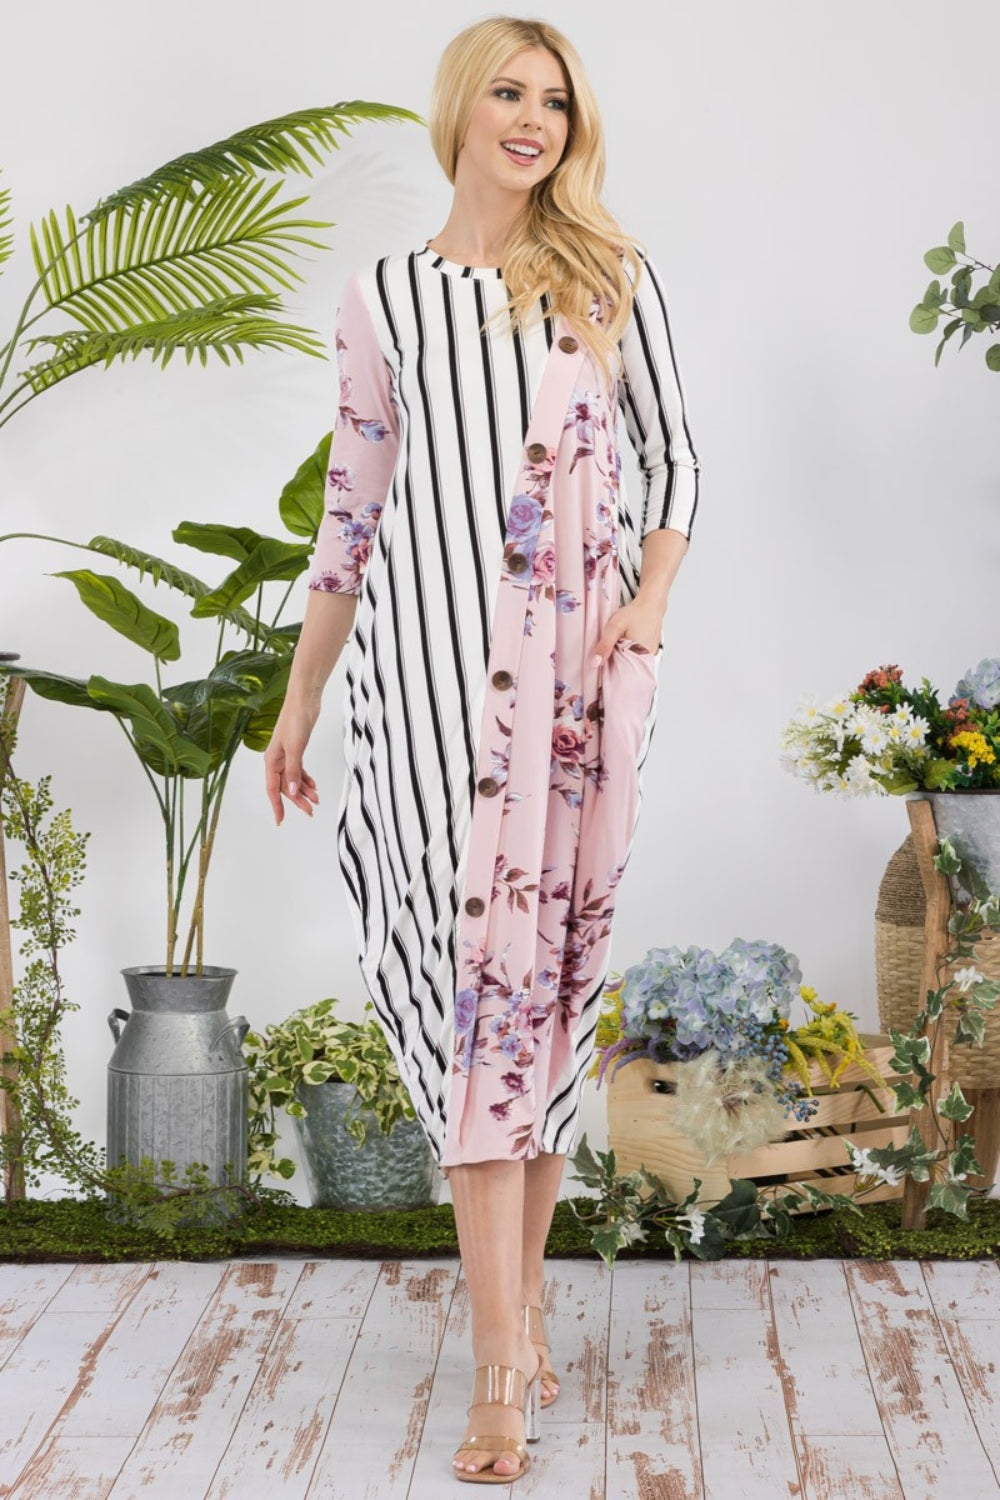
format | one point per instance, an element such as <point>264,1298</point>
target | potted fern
<point>361,1143</point>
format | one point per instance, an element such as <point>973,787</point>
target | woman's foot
<point>501,1417</point>
<point>535,1325</point>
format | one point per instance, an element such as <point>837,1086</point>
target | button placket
<point>487,809</point>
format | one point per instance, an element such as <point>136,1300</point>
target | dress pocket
<point>630,676</point>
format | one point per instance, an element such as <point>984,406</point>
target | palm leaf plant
<point>191,259</point>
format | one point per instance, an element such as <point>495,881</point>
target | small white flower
<point>861,1161</point>
<point>632,1233</point>
<point>966,978</point>
<point>694,1221</point>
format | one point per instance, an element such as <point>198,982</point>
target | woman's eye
<point>559,103</point>
<point>505,93</point>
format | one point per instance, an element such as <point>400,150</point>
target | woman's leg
<point>489,1201</point>
<point>542,1176</point>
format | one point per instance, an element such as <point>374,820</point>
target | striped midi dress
<point>474,504</point>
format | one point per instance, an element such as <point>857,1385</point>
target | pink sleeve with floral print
<point>362,452</point>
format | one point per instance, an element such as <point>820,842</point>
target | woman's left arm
<point>652,402</point>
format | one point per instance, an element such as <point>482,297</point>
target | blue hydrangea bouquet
<point>728,1016</point>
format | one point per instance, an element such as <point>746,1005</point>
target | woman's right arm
<point>325,628</point>
<point>362,459</point>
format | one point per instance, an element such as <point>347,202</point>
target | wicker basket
<point>643,1132</point>
<point>899,946</point>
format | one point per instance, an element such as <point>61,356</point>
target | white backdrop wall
<point>787,164</point>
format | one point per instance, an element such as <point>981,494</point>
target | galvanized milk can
<point>177,1079</point>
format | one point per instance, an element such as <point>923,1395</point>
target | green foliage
<point>188,733</point>
<point>157,1198</point>
<point>285,144</point>
<point>118,607</point>
<point>54,865</point>
<point>34,1077</point>
<point>973,310</point>
<point>6,220</point>
<point>223,326</point>
<point>312,1047</point>
<point>301,503</point>
<point>629,1207</point>
<point>191,259</point>
<point>272,1225</point>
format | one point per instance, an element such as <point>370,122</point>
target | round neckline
<point>455,268</point>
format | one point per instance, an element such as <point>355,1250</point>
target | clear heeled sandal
<point>502,1385</point>
<point>535,1326</point>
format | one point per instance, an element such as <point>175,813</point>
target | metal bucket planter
<point>177,1080</point>
<point>971,820</point>
<point>388,1171</point>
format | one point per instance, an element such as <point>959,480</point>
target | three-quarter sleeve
<point>362,451</point>
<point>652,403</point>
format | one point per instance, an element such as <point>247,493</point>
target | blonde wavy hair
<point>565,243</point>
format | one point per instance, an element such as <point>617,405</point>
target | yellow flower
<point>975,746</point>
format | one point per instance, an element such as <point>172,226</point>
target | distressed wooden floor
<point>824,1380</point>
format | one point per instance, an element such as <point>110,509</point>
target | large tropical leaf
<point>158,737</point>
<point>284,144</point>
<point>271,560</point>
<point>301,503</point>
<point>125,612</point>
<point>160,570</point>
<point>223,328</point>
<point>219,539</point>
<point>207,713</point>
<point>6,220</point>
<point>169,255</point>
<point>259,675</point>
<point>53,686</point>
<point>239,700</point>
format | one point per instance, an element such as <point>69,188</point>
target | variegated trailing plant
<point>310,1047</point>
<point>191,259</point>
<point>626,1208</point>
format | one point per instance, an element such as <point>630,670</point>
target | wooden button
<point>487,786</point>
<point>517,562</point>
<point>568,345</point>
<point>475,906</point>
<point>501,679</point>
<point>536,452</point>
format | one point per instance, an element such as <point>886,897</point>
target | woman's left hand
<point>640,620</point>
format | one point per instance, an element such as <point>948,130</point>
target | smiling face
<point>517,132</point>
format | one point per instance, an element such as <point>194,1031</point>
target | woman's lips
<point>522,158</point>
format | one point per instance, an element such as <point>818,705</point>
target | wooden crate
<point>643,1132</point>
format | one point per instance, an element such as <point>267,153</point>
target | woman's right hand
<point>284,772</point>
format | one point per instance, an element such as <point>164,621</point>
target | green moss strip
<point>82,1231</point>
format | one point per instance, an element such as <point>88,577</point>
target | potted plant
<point>361,1143</point>
<point>192,258</point>
<point>712,1033</point>
<point>885,738</point>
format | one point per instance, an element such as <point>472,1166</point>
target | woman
<point>502,667</point>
